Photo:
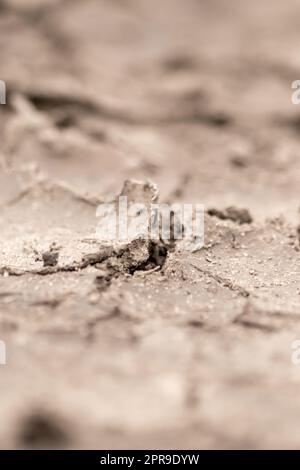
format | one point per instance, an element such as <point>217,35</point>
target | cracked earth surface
<point>110,348</point>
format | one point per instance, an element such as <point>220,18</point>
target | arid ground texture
<point>148,346</point>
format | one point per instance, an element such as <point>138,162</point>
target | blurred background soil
<point>194,95</point>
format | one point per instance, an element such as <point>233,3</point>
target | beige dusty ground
<point>196,96</point>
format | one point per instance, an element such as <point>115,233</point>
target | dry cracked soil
<point>146,346</point>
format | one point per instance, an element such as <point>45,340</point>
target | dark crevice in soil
<point>254,325</point>
<point>75,105</point>
<point>223,282</point>
<point>240,216</point>
<point>49,103</point>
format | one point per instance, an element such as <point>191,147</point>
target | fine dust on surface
<point>148,347</point>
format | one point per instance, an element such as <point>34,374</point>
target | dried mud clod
<point>140,191</point>
<point>50,258</point>
<point>138,253</point>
